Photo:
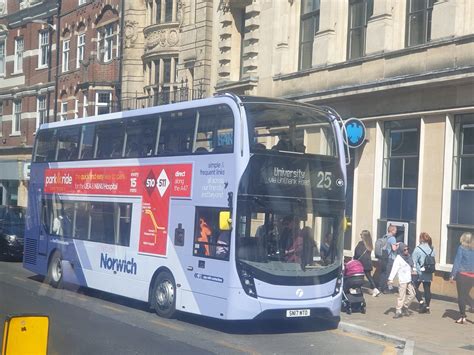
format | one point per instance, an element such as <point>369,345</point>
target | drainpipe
<point>118,90</point>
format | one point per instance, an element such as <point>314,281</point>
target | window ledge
<point>41,68</point>
<point>16,73</point>
<point>15,134</point>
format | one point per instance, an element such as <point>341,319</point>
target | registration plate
<point>291,313</point>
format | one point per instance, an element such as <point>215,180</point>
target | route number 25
<point>324,180</point>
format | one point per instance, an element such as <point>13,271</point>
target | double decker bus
<point>229,207</point>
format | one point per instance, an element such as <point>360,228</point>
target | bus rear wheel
<point>55,271</point>
<point>163,297</point>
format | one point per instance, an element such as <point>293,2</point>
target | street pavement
<point>434,333</point>
<point>84,321</point>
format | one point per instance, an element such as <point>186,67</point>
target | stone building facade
<point>405,68</point>
<point>167,51</point>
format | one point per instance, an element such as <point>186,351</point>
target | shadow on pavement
<point>232,327</point>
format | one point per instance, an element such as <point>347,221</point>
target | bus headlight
<point>11,238</point>
<point>247,281</point>
<point>337,289</point>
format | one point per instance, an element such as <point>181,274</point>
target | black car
<point>12,229</point>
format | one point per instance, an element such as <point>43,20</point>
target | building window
<point>81,47</point>
<point>63,111</point>
<point>82,2</point>
<point>40,111</point>
<point>103,103</point>
<point>359,13</point>
<point>419,15</point>
<point>18,59</point>
<point>76,108</point>
<point>399,193</point>
<point>164,79</point>
<point>43,49</point>
<point>462,194</point>
<point>106,43</point>
<point>66,47</point>
<point>16,117</point>
<point>85,105</point>
<point>2,56</point>
<point>164,11</point>
<point>308,28</point>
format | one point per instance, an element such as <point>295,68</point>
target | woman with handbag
<point>363,252</point>
<point>423,276</point>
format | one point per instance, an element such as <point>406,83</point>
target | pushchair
<point>352,296</point>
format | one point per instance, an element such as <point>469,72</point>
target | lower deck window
<point>104,222</point>
<point>209,240</point>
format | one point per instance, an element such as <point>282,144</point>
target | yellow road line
<point>236,347</point>
<point>167,325</point>
<point>112,308</point>
<point>389,348</point>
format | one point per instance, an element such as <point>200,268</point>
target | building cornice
<point>432,78</point>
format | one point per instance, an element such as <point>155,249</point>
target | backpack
<point>380,247</point>
<point>430,264</point>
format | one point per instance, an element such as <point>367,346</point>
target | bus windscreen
<point>288,128</point>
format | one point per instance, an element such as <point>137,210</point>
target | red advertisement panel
<point>155,185</point>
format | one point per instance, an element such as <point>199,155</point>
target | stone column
<point>324,41</point>
<point>443,20</point>
<point>379,28</point>
<point>175,8</point>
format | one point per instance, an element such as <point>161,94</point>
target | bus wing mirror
<point>26,335</point>
<point>225,221</point>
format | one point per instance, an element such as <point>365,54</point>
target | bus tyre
<point>163,297</point>
<point>55,271</point>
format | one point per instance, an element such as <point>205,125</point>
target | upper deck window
<point>201,130</point>
<point>287,128</point>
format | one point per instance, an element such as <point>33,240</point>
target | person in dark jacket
<point>463,273</point>
<point>419,254</point>
<point>363,253</point>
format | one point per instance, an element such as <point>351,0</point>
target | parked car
<point>12,231</point>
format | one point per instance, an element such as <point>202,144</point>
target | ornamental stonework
<point>163,38</point>
<point>131,33</point>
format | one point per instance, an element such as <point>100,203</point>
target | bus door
<point>203,251</point>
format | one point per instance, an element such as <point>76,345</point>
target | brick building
<point>89,70</point>
<point>34,89</point>
<point>27,55</point>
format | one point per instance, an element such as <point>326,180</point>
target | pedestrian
<point>363,253</point>
<point>403,266</point>
<point>423,276</point>
<point>388,257</point>
<point>463,273</point>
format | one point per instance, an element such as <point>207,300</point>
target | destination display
<point>299,177</point>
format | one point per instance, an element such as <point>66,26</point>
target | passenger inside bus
<point>222,248</point>
<point>204,238</point>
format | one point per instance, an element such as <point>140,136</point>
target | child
<point>403,266</point>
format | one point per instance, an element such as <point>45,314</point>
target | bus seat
<point>201,150</point>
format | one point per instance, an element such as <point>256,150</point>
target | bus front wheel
<point>164,295</point>
<point>55,271</point>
